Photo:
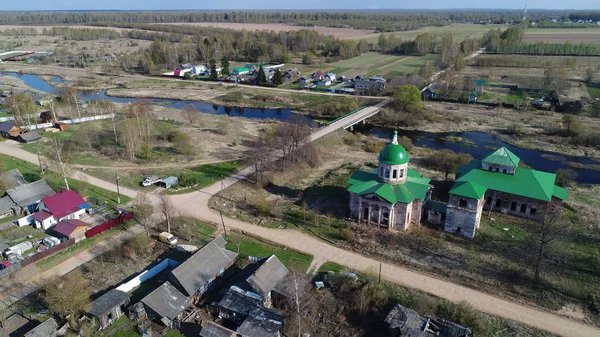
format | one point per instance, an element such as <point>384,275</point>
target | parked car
<point>168,238</point>
<point>151,180</point>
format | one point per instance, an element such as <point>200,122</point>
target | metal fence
<point>123,216</point>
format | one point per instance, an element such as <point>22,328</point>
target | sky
<point>289,4</point>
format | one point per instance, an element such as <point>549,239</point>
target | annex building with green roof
<point>497,183</point>
<point>391,196</point>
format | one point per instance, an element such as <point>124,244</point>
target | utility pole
<point>380,272</point>
<point>40,161</point>
<point>223,223</point>
<point>118,192</point>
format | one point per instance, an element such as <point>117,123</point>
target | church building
<point>497,183</point>
<point>392,196</point>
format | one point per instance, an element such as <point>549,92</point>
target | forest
<point>378,20</point>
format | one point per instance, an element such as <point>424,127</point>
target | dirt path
<point>161,166</point>
<point>196,204</point>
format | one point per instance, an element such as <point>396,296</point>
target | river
<point>39,84</point>
<point>477,144</point>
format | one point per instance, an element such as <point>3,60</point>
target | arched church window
<point>523,208</point>
<point>463,203</point>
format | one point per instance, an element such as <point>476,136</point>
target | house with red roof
<point>66,205</point>
<point>318,75</point>
<point>71,229</point>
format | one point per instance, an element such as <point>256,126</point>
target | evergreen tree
<point>262,78</point>
<point>213,69</point>
<point>225,66</point>
<point>277,78</point>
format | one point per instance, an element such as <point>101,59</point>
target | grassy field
<point>371,64</point>
<point>594,92</point>
<point>562,35</point>
<point>206,174</point>
<point>31,173</point>
<point>252,247</point>
<point>459,32</point>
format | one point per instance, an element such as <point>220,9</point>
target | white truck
<point>18,249</point>
<point>151,180</point>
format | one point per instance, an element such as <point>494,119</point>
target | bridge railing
<point>346,115</point>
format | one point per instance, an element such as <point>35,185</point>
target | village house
<point>241,71</point>
<point>291,74</point>
<point>198,273</point>
<point>331,77</point>
<point>49,328</point>
<point>317,75</point>
<point>403,321</point>
<point>367,85</point>
<point>24,199</point>
<point>392,196</point>
<point>498,182</point>
<point>8,130</point>
<point>304,81</point>
<point>325,82</point>
<point>165,304</point>
<point>236,304</point>
<point>109,307</point>
<point>478,85</point>
<point>262,322</point>
<point>29,137</point>
<point>265,280</point>
<point>64,205</point>
<point>71,229</point>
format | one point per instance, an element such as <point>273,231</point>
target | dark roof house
<point>29,137</point>
<point>262,322</point>
<point>406,322</point>
<point>109,307</point>
<point>9,130</point>
<point>200,269</point>
<point>237,304</point>
<point>71,229</point>
<point>32,193</point>
<point>212,329</point>
<point>165,303</point>
<point>48,328</point>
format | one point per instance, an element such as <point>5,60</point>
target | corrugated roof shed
<point>212,329</point>
<point>407,320</point>
<point>28,194</point>
<point>6,127</point>
<point>29,137</point>
<point>240,301</point>
<point>267,276</point>
<point>166,301</point>
<point>106,302</point>
<point>203,265</point>
<point>45,329</point>
<point>7,205</point>
<point>262,322</point>
<point>67,227</point>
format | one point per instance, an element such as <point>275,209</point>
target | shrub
<point>347,234</point>
<point>514,129</point>
<point>262,206</point>
<point>566,177</point>
<point>406,143</point>
<point>374,146</point>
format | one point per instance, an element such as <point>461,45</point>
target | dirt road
<point>196,204</point>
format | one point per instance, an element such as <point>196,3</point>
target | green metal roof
<point>560,193</point>
<point>502,156</point>
<point>468,189</point>
<point>479,82</point>
<point>415,187</point>
<point>525,182</point>
<point>393,153</point>
<point>437,206</point>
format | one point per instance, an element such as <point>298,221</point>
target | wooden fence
<point>50,251</point>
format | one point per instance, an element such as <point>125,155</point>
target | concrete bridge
<point>349,120</point>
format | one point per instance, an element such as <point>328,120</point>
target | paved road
<point>196,204</point>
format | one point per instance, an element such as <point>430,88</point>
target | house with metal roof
<point>198,273</point>
<point>24,199</point>
<point>262,322</point>
<point>71,229</point>
<point>237,304</point>
<point>497,183</point>
<point>29,137</point>
<point>405,322</point>
<point>65,205</point>
<point>391,196</point>
<point>109,307</point>
<point>49,328</point>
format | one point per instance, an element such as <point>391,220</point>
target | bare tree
<point>191,114</point>
<point>545,232</point>
<point>21,106</point>
<point>129,137</point>
<point>59,156</point>
<point>69,96</point>
<point>111,109</point>
<point>67,295</point>
<point>143,210</point>
<point>299,298</point>
<point>167,210</point>
<point>143,112</point>
<point>259,157</point>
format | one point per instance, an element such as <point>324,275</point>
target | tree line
<point>382,21</point>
